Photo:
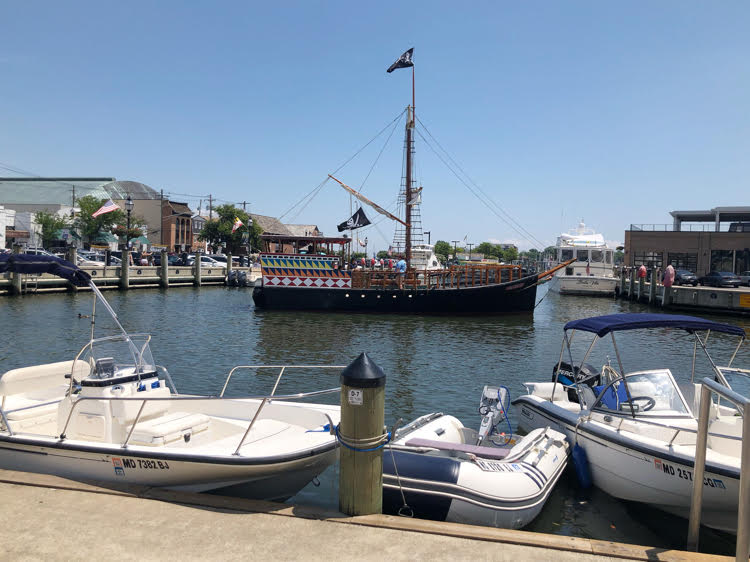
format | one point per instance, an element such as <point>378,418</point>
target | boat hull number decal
<point>685,474</point>
<point>121,465</point>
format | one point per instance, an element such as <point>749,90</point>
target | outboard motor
<point>242,278</point>
<point>492,409</point>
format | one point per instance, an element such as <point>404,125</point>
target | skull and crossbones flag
<point>404,61</point>
<point>357,220</point>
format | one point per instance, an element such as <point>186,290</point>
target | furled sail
<point>365,200</point>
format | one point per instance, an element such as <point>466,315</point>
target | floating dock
<point>53,518</point>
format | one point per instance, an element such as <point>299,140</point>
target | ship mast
<point>410,120</point>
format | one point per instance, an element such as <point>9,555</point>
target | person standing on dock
<point>669,276</point>
<point>642,271</point>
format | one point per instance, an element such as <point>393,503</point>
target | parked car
<point>223,258</point>
<point>720,279</point>
<point>685,277</point>
<point>745,278</point>
<point>171,259</point>
<point>206,261</point>
<point>37,252</point>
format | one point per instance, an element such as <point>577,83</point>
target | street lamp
<point>129,209</point>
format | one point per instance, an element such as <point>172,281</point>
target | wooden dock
<point>52,518</point>
<point>133,277</point>
<point>706,299</point>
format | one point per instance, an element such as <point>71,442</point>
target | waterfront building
<point>699,241</point>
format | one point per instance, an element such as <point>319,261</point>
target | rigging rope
<point>488,201</point>
<point>316,189</point>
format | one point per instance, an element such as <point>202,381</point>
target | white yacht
<point>423,257</point>
<point>592,273</point>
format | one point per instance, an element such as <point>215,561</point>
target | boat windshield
<point>651,393</point>
<point>117,356</point>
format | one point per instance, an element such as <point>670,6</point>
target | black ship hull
<point>498,298</point>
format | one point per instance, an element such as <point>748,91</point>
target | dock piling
<point>125,269</point>
<point>197,269</point>
<point>361,435</point>
<point>164,272</point>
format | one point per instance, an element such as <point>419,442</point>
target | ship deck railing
<point>449,278</point>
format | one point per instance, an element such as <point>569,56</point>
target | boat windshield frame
<point>668,380</point>
<point>138,349</point>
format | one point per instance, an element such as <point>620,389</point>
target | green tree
<point>90,227</point>
<point>509,255</point>
<point>382,254</point>
<point>219,231</point>
<point>50,224</point>
<point>488,249</point>
<point>442,250</point>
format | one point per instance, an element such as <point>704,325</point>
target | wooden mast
<point>410,118</point>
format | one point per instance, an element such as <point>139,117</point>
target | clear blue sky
<point>615,112</point>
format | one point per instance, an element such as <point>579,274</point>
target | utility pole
<point>455,258</point>
<point>427,232</point>
<point>210,207</point>
<point>469,245</point>
<point>244,206</point>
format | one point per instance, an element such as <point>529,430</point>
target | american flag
<point>108,207</point>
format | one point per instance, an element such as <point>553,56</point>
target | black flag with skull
<point>404,61</point>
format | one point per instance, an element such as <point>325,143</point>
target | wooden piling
<point>631,286</point>
<point>164,271</point>
<point>652,287</point>
<point>362,419</point>
<point>197,269</point>
<point>125,270</point>
<point>16,285</point>
<point>641,287</point>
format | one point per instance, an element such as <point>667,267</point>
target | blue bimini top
<point>33,264</point>
<point>602,325</point>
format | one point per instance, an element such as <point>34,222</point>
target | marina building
<point>167,222</point>
<point>699,241</point>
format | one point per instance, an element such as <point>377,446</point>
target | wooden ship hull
<point>444,293</point>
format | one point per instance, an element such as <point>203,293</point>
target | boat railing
<point>449,278</point>
<point>708,388</point>
<point>264,400</point>
<point>282,368</point>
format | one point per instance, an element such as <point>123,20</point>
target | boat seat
<point>478,450</point>
<point>168,429</point>
<point>36,377</point>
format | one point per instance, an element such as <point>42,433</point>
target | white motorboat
<point>638,429</point>
<point>592,273</point>
<point>436,468</point>
<point>111,414</point>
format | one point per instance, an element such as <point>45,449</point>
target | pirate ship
<point>307,273</point>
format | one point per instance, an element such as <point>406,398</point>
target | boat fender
<point>581,463</point>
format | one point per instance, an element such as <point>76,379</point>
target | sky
<point>614,113</point>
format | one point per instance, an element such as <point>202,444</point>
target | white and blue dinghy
<point>109,415</point>
<point>435,468</point>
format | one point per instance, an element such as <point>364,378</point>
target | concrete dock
<point>51,518</point>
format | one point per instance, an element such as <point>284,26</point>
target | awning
<point>105,237</point>
<point>16,233</point>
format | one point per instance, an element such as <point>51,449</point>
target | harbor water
<point>432,363</point>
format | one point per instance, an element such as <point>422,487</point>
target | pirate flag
<point>404,61</point>
<point>358,220</point>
